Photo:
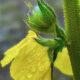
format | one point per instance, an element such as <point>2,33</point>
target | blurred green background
<point>13,29</point>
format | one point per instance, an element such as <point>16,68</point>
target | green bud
<point>42,19</point>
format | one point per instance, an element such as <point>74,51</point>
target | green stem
<point>72,23</point>
<point>52,71</point>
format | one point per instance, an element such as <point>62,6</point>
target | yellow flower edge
<point>31,62</point>
<point>63,62</point>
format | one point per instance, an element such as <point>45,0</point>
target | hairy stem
<point>72,23</point>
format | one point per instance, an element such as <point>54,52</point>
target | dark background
<point>13,29</point>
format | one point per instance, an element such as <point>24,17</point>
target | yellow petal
<point>11,53</point>
<point>47,76</point>
<point>32,63</point>
<point>63,62</point>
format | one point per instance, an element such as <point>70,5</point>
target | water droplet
<point>29,75</point>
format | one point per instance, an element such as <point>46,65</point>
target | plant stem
<point>72,23</point>
<point>52,71</point>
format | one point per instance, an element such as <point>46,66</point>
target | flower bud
<point>42,19</point>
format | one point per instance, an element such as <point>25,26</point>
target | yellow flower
<point>31,62</point>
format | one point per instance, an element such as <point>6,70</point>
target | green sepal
<point>56,51</point>
<point>34,26</point>
<point>47,12</point>
<point>50,55</point>
<point>51,43</point>
<point>59,48</point>
<point>60,32</point>
<point>60,40</point>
